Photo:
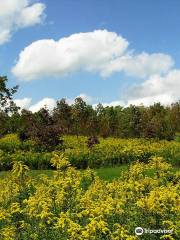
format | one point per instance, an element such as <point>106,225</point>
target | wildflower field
<point>77,204</point>
<point>107,153</point>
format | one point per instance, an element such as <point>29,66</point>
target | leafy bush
<point>113,151</point>
<point>109,152</point>
<point>33,160</point>
<point>177,137</point>
<point>10,143</point>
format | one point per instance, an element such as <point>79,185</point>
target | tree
<point>156,123</point>
<point>6,96</point>
<point>7,106</point>
<point>174,112</point>
<point>79,116</point>
<point>41,128</point>
<point>103,120</point>
<point>62,116</point>
<point>92,122</point>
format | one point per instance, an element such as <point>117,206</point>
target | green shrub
<point>109,152</point>
<point>10,143</point>
<point>33,160</point>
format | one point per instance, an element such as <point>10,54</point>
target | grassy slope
<point>103,173</point>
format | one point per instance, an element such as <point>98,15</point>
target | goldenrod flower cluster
<point>109,152</point>
<point>77,205</point>
<point>115,151</point>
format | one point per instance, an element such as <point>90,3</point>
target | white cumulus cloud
<point>164,99</point>
<point>23,103</point>
<point>99,51</point>
<point>17,14</point>
<point>49,103</point>
<point>26,103</point>
<point>141,65</point>
<point>163,89</point>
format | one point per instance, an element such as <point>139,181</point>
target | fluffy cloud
<point>17,14</point>
<point>23,103</point>
<point>142,65</point>
<point>147,101</point>
<point>49,103</point>
<point>164,89</point>
<point>84,51</point>
<point>100,51</point>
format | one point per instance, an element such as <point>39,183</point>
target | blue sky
<point>150,27</point>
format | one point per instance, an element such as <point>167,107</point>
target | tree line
<point>80,118</point>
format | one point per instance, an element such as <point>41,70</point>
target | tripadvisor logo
<point>139,231</point>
